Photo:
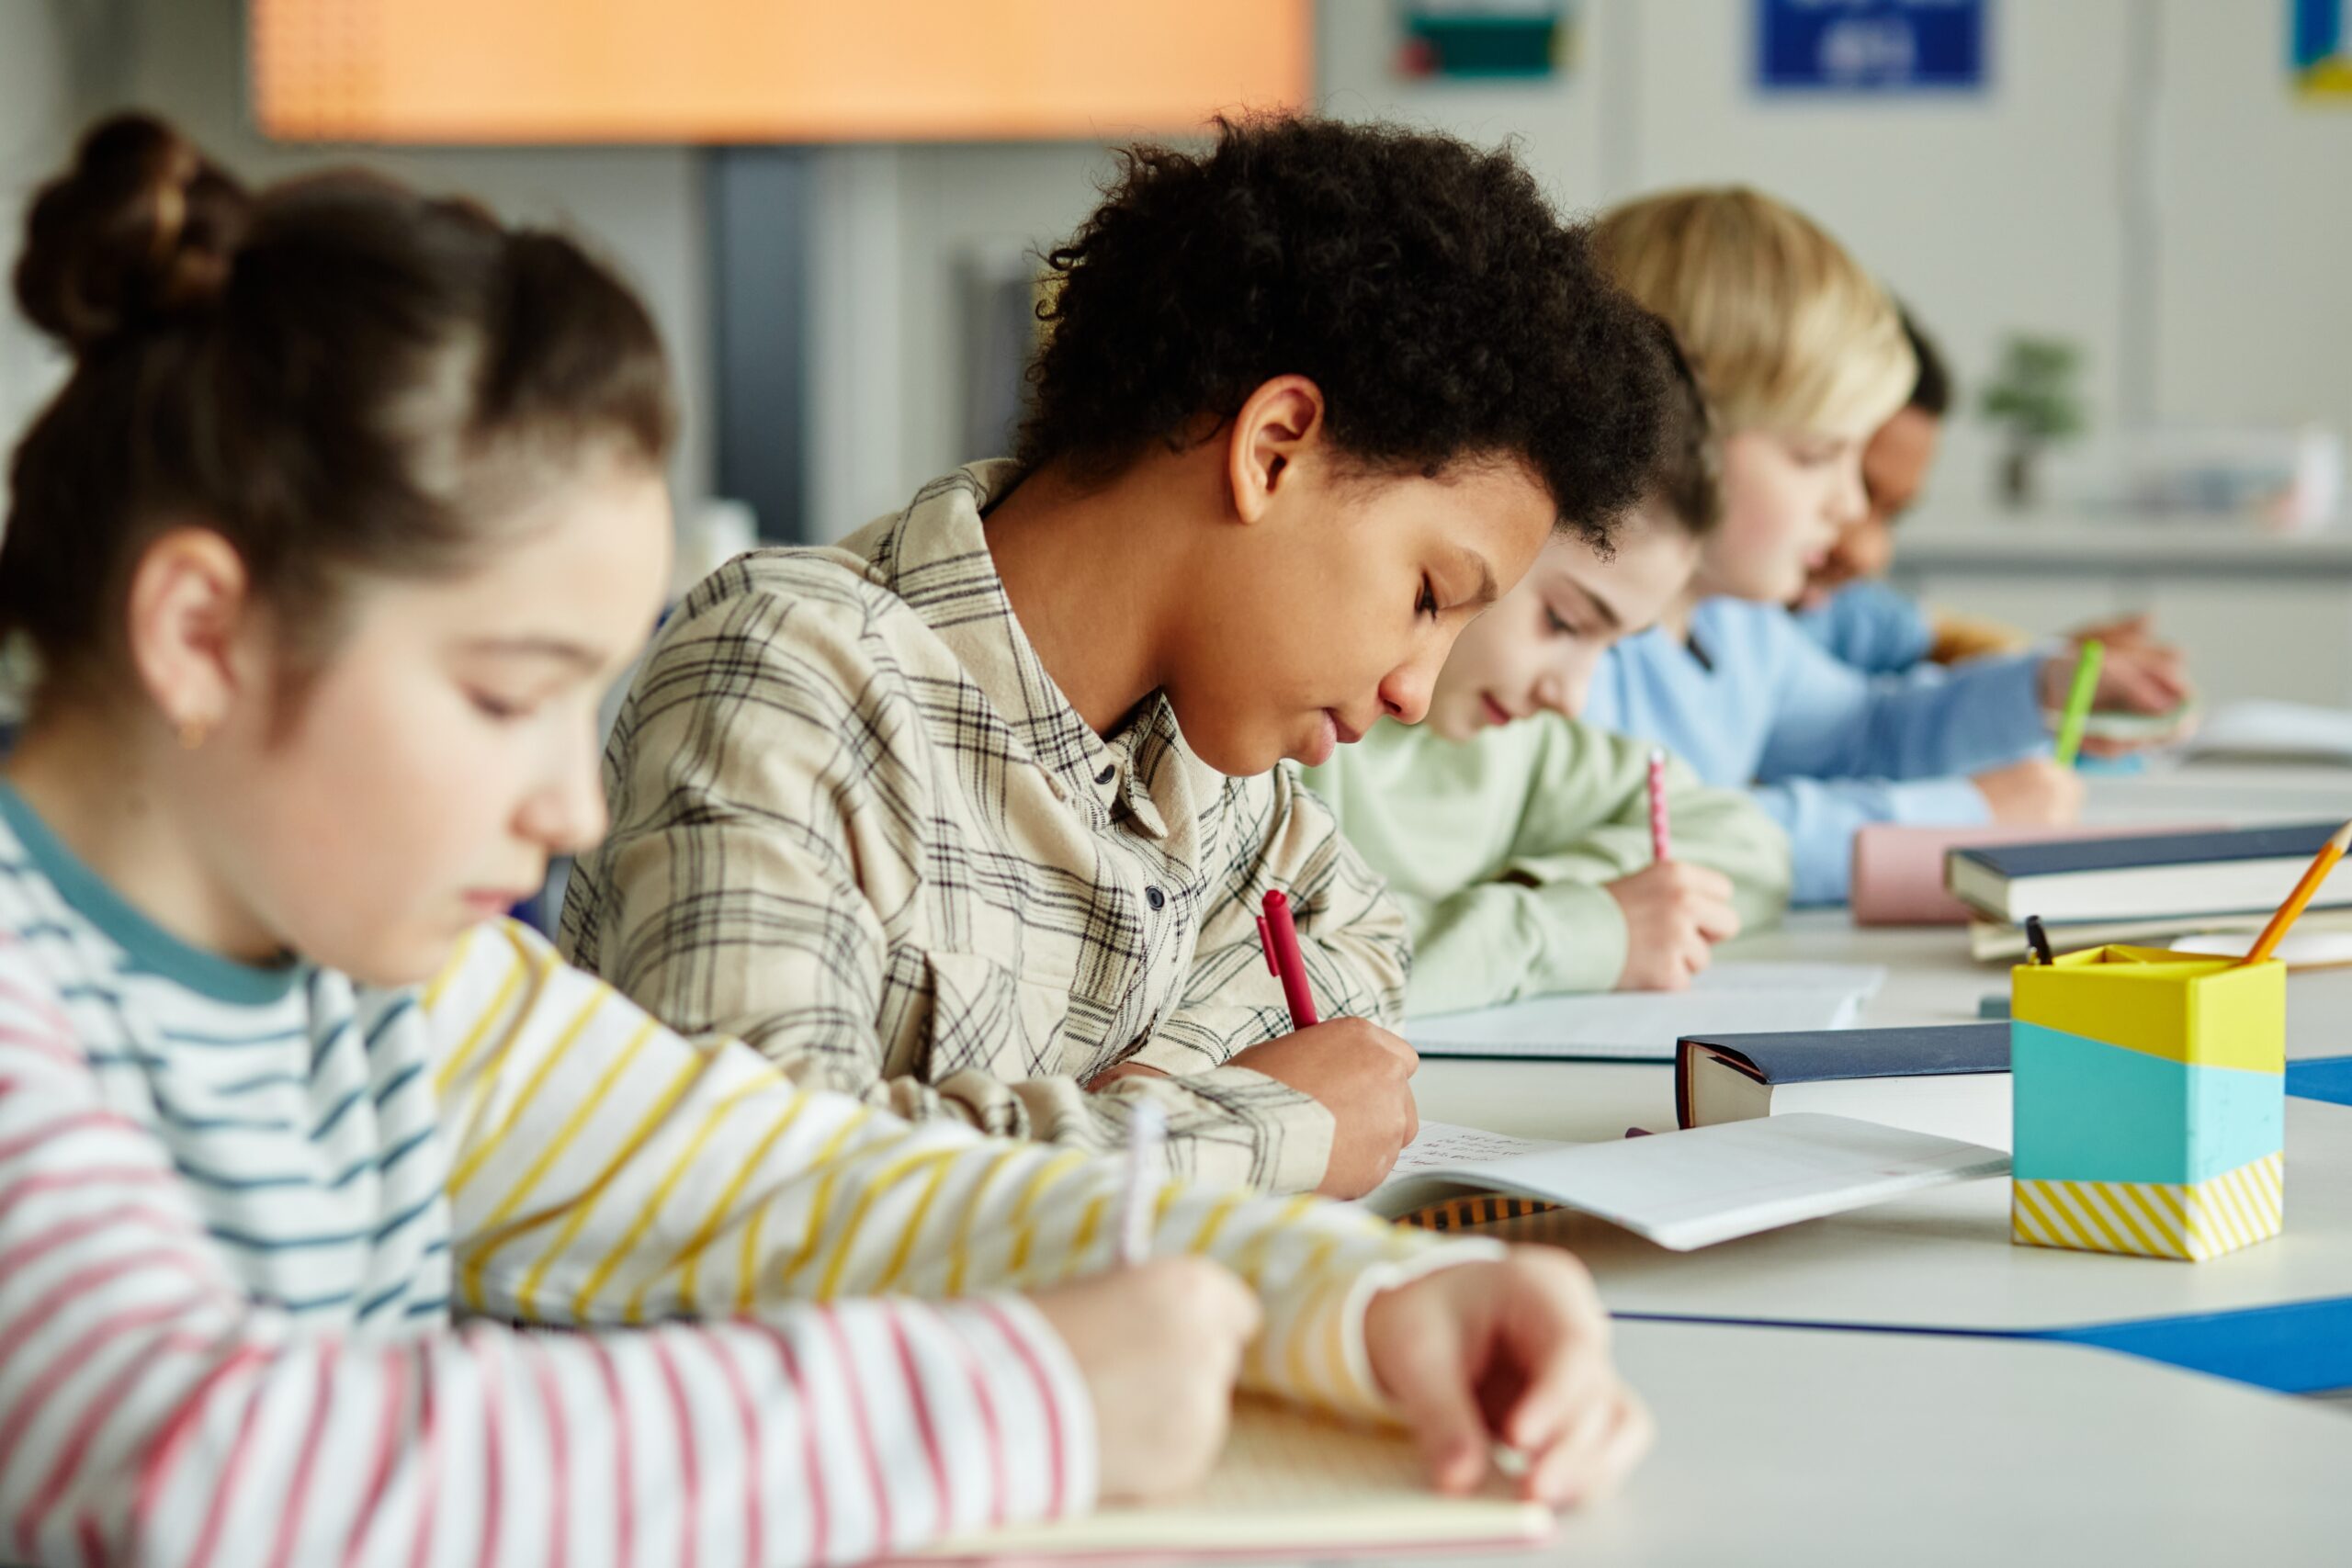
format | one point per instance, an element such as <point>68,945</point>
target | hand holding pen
<point>1352,1067</point>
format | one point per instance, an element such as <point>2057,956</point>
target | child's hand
<point>1674,913</point>
<point>2136,677</point>
<point>1361,1074</point>
<point>1113,1073</point>
<point>2126,631</point>
<point>2034,793</point>
<point>1159,1347</point>
<point>1515,1352</point>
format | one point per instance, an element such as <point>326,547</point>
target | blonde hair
<point>1786,330</point>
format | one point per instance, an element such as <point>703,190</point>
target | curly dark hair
<point>1443,306</point>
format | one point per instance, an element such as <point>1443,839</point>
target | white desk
<point>1790,1446</point>
<point>1943,1260</point>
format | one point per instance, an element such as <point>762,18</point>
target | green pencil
<point>2078,701</point>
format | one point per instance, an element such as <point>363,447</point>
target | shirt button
<point>1155,897</point>
<point>1106,775</point>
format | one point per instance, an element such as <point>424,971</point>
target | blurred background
<point>2135,216</point>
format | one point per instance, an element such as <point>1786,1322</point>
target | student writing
<point>1518,839</point>
<point>1802,356</point>
<point>976,810</point>
<point>344,515</point>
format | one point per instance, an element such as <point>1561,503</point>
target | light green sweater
<point>1499,849</point>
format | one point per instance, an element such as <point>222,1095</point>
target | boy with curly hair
<point>971,816</point>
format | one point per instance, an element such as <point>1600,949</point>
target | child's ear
<point>1281,422</point>
<point>190,596</point>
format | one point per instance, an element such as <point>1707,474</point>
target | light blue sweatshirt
<point>1872,627</point>
<point>1752,700</point>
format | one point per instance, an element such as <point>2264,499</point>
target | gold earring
<point>192,733</point>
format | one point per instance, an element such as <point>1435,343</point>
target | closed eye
<point>497,708</point>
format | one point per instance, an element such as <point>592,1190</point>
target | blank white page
<point>1728,998</point>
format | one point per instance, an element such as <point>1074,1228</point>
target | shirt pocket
<point>984,1018</point>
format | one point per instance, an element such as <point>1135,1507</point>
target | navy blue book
<point>2163,876</point>
<point>1948,1079</point>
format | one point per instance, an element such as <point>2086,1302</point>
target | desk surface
<point>1791,1445</point>
<point>1942,1259</point>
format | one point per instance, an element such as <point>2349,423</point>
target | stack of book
<point>2094,891</point>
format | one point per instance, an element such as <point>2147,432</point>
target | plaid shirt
<point>856,823</point>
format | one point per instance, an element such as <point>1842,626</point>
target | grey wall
<point>2138,178</point>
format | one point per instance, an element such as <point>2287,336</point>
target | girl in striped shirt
<point>321,557</point>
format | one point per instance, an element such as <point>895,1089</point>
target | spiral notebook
<point>1288,1484</point>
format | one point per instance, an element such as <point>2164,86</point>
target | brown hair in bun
<point>343,378</point>
<point>143,228</point>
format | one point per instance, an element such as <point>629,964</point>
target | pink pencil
<point>1658,839</point>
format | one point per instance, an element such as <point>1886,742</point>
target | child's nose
<point>568,814</point>
<point>1405,696</point>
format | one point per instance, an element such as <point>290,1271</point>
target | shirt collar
<point>936,559</point>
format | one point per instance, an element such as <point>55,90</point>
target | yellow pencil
<point>2322,863</point>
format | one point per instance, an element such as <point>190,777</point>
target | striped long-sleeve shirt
<point>240,1207</point>
<point>856,823</point>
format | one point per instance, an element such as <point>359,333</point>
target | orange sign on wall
<point>504,71</point>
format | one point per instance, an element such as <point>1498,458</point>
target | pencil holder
<point>2150,1112</point>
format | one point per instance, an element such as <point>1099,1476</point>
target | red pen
<point>1280,938</point>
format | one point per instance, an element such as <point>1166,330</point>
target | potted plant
<point>2034,399</point>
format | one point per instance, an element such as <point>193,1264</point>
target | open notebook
<point>1288,1484</point>
<point>1642,1026</point>
<point>1699,1186</point>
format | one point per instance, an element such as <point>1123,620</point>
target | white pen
<point>1146,1131</point>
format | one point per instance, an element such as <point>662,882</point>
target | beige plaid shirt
<point>856,823</point>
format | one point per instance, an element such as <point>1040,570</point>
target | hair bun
<point>141,231</point>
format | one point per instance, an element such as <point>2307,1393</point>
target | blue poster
<point>1871,46</point>
<point>2319,48</point>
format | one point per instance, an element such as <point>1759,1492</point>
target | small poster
<point>1523,38</point>
<point>1871,46</point>
<point>2320,49</point>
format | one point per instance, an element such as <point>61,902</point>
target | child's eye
<point>1557,627</point>
<point>1427,604</point>
<point>497,708</point>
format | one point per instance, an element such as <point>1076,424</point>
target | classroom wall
<point>2254,280</point>
<point>2137,178</point>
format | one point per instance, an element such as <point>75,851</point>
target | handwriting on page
<point>1441,1143</point>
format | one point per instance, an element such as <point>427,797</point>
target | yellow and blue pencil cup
<point>2149,1092</point>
